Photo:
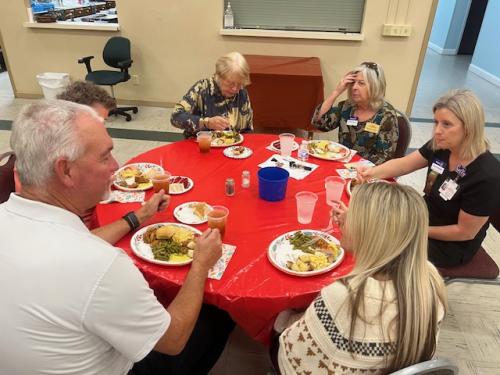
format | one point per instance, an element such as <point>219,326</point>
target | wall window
<point>298,15</point>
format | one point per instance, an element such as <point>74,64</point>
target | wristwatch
<point>132,220</point>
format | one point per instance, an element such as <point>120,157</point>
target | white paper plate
<point>276,146</point>
<point>216,144</point>
<point>329,155</point>
<point>147,169</point>
<point>143,250</point>
<point>281,250</point>
<point>186,189</point>
<point>185,214</point>
<point>229,152</point>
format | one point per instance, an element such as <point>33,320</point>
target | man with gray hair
<point>72,303</point>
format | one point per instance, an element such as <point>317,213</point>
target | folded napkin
<point>298,169</point>
<point>347,173</point>
<point>218,269</point>
<point>364,162</point>
<point>350,171</point>
<point>125,196</point>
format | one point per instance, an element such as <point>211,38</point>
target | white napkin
<point>297,173</point>
<point>220,266</point>
<point>125,196</point>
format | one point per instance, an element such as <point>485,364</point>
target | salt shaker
<point>303,153</point>
<point>229,187</point>
<point>245,179</point>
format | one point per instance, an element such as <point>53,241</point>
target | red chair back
<point>404,139</point>
<point>7,184</point>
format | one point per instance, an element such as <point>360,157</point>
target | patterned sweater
<point>205,99</point>
<point>377,148</point>
<point>318,342</point>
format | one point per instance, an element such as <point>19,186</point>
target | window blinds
<point>301,15</point>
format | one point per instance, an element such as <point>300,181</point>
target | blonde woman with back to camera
<point>385,315</point>
<point>463,178</point>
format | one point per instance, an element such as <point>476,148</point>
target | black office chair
<point>116,54</point>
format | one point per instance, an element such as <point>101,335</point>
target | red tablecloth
<point>251,289</point>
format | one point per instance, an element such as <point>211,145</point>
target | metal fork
<point>317,238</point>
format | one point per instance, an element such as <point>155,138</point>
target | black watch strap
<point>132,220</point>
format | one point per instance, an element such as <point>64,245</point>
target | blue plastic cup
<point>272,183</point>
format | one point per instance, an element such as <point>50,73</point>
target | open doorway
<point>472,27</point>
<point>6,89</point>
<point>448,62</point>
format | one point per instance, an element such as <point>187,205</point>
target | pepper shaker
<point>229,187</point>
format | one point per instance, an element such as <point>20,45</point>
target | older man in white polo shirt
<point>72,303</point>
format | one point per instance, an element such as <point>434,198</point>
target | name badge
<point>437,168</point>
<point>372,128</point>
<point>448,189</point>
<point>353,121</point>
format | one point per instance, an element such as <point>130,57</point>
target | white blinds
<point>307,15</point>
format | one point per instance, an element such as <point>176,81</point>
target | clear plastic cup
<point>286,144</point>
<point>217,218</point>
<point>161,181</point>
<point>204,139</point>
<point>306,201</point>
<point>334,186</point>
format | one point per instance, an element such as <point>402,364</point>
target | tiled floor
<point>470,335</point>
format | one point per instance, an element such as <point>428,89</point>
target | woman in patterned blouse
<point>217,103</point>
<point>383,316</point>
<point>366,122</point>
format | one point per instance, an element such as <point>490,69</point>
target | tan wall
<point>175,43</point>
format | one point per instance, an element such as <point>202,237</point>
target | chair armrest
<point>124,64</point>
<point>86,61</point>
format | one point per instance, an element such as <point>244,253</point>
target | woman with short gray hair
<point>367,122</point>
<point>220,102</point>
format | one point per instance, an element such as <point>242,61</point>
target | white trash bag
<point>52,84</point>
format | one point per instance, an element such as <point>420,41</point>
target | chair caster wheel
<point>135,110</point>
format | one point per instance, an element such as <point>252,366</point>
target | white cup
<point>306,201</point>
<point>286,144</point>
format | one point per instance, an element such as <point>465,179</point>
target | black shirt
<point>477,194</point>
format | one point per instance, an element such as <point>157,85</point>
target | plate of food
<point>136,177</point>
<point>352,183</point>
<point>237,152</point>
<point>327,150</point>
<point>192,212</point>
<point>225,138</point>
<point>169,244</point>
<point>180,185</point>
<point>305,253</point>
<point>276,146</point>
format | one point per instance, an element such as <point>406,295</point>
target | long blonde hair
<point>468,109</point>
<point>387,228</point>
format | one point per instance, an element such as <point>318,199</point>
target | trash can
<point>52,84</point>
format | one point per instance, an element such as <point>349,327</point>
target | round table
<point>252,290</point>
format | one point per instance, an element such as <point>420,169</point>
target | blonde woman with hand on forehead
<point>385,315</point>
<point>367,123</point>
<point>463,178</point>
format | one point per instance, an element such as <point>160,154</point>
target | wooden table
<point>284,91</point>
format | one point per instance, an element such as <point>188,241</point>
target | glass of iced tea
<point>204,140</point>
<point>217,218</point>
<point>161,181</point>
